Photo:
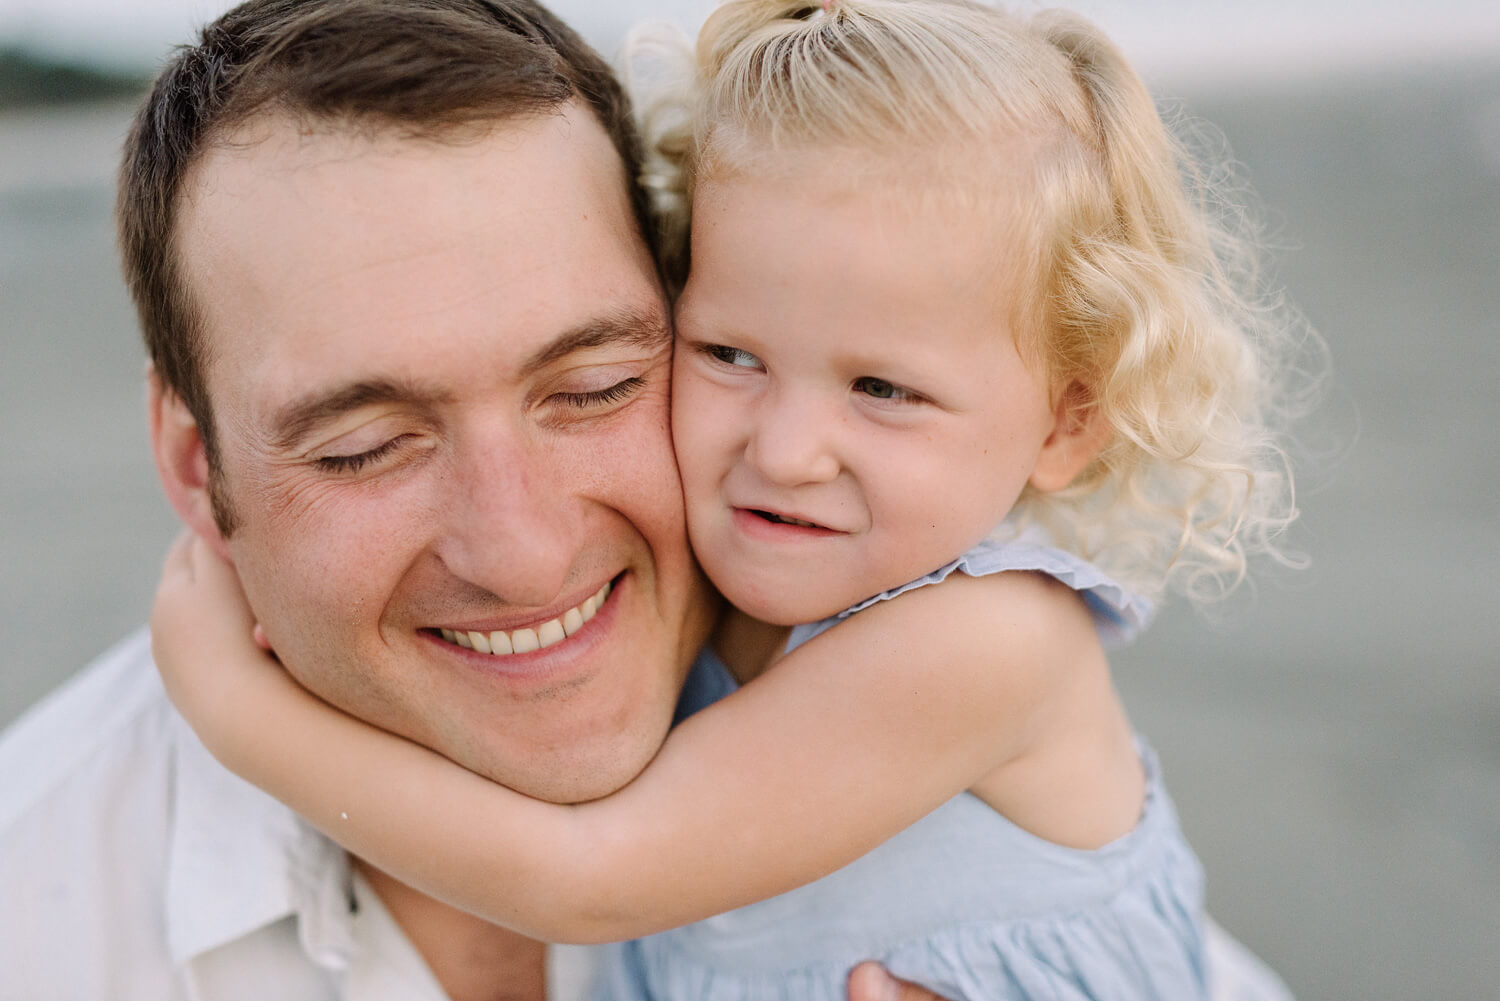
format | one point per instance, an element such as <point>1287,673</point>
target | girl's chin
<point>784,601</point>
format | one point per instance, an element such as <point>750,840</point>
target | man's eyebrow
<point>297,419</point>
<point>294,421</point>
<point>647,329</point>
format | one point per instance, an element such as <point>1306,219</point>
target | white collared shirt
<point>134,868</point>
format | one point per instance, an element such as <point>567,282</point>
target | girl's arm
<point>846,741</point>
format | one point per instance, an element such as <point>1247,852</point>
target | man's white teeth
<point>550,633</point>
<point>527,640</point>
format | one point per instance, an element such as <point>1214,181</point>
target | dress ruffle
<point>1093,955</point>
<point>1003,915</point>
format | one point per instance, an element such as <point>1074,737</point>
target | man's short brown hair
<point>428,68</point>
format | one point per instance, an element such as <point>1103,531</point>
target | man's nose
<point>793,440</point>
<point>507,525</point>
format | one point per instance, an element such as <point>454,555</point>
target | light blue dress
<point>963,902</point>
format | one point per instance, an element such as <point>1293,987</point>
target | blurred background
<point>1332,738</point>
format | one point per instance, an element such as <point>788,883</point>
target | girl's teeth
<point>556,630</point>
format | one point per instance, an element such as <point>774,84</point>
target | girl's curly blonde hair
<point>1150,303</point>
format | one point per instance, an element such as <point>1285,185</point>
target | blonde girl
<point>964,379</point>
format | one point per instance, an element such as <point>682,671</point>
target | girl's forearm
<point>794,776</point>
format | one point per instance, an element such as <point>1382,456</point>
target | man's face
<point>439,373</point>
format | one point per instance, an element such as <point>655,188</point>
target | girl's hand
<point>204,636</point>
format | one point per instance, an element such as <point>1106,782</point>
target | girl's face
<point>849,407</point>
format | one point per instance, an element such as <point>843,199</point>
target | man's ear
<point>182,461</point>
<point>1079,433</point>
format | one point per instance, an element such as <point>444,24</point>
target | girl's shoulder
<point>1119,615</point>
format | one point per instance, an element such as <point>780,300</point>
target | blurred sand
<point>1334,749</point>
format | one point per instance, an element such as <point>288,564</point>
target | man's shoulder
<point>86,800</point>
<point>116,707</point>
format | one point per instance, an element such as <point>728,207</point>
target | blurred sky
<point>1269,40</point>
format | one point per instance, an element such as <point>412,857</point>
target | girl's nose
<point>792,443</point>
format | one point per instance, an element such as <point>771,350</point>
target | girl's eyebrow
<point>635,328</point>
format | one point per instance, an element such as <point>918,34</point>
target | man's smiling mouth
<point>502,642</point>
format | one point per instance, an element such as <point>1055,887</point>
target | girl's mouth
<point>777,519</point>
<point>774,526</point>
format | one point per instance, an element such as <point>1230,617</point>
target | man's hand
<point>871,982</point>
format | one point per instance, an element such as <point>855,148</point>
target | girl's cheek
<point>695,413</point>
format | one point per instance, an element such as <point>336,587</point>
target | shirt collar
<point>238,860</point>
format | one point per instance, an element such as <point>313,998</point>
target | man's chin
<point>576,774</point>
<point>567,785</point>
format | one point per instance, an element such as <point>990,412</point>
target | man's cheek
<point>300,500</point>
<point>648,487</point>
<point>315,565</point>
<point>629,460</point>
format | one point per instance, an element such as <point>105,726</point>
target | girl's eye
<point>731,356</point>
<point>601,397</point>
<point>880,389</point>
<point>354,463</point>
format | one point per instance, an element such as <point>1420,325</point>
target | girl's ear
<point>182,462</point>
<point>1079,432</point>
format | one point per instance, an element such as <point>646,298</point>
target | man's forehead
<point>336,250</point>
<point>342,172</point>
<point>276,144</point>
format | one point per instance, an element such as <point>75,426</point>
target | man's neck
<point>471,959</point>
